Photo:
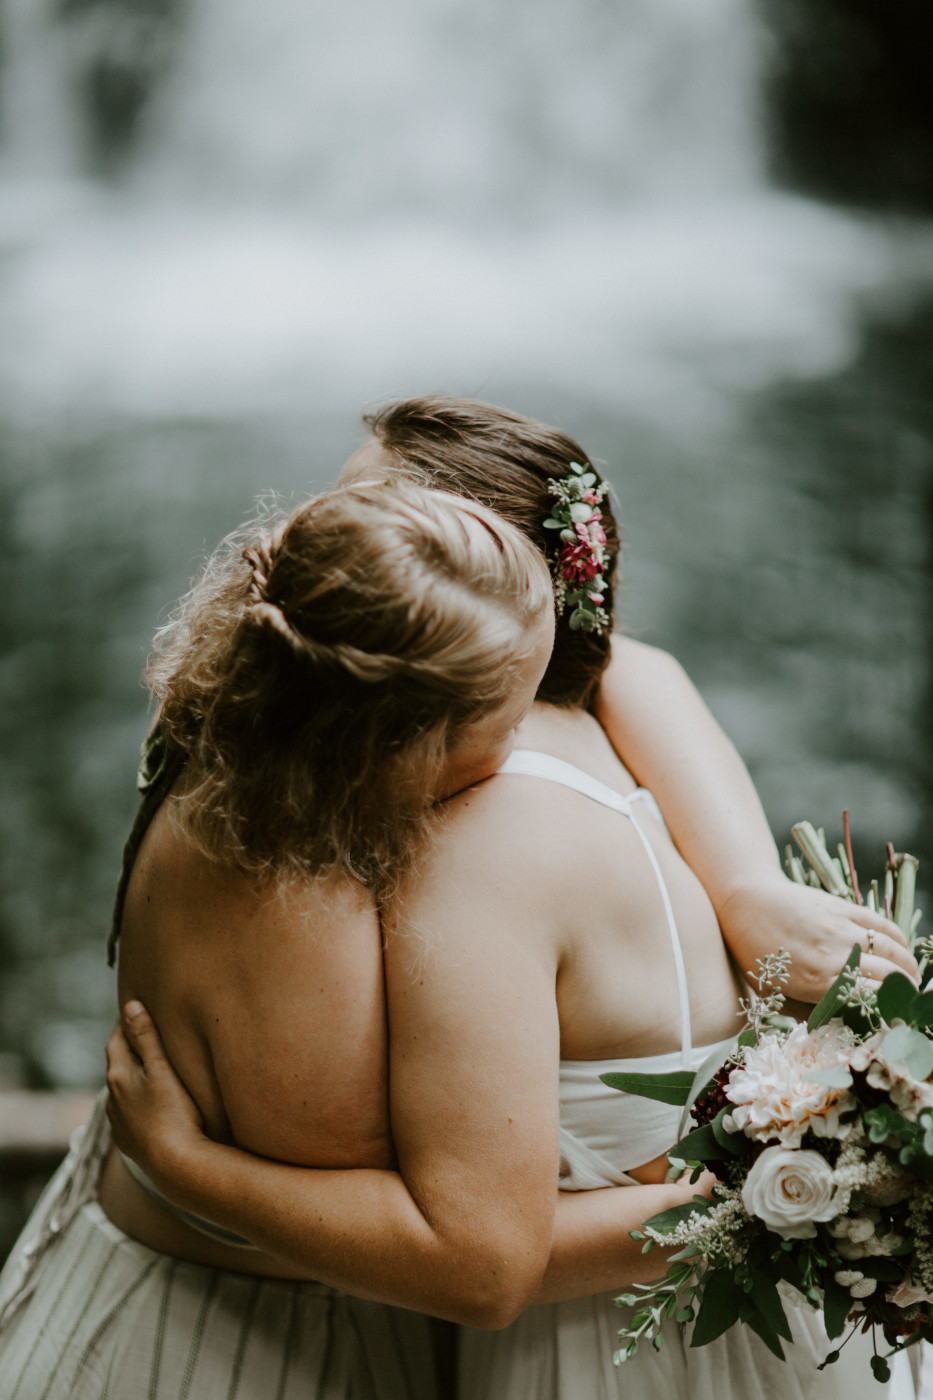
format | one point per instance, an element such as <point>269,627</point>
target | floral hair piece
<point>578,569</point>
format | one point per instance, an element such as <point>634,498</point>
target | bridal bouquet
<point>821,1137</point>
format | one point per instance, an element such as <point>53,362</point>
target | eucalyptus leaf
<point>910,1156</point>
<point>837,1304</point>
<point>719,1307</point>
<point>670,1088</point>
<point>896,998</point>
<point>736,1144</point>
<point>882,1121</point>
<point>552,524</point>
<point>911,1048</point>
<point>827,1007</point>
<point>922,1011</point>
<point>701,1078</point>
<point>751,1315</point>
<point>768,1301</point>
<point>702,1146</point>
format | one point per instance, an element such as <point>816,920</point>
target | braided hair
<point>322,666</point>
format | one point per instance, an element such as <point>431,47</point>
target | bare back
<point>272,1006</point>
<point>616,985</point>
<point>580,888</point>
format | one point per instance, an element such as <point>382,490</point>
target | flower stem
<point>847,837</point>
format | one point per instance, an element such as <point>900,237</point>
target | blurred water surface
<point>224,228</point>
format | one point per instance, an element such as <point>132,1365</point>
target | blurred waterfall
<point>226,225</point>
<point>211,204</point>
<point>461,110</point>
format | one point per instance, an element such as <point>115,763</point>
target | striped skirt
<point>110,1319</point>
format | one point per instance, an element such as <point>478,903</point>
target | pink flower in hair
<point>581,556</point>
<point>578,563</point>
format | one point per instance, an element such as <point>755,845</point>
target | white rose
<point>789,1189</point>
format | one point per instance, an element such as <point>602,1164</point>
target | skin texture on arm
<point>467,1229</point>
<point>658,723</point>
<point>354,1229</point>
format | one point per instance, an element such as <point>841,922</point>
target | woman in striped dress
<point>325,682</point>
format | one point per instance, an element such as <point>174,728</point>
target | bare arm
<point>665,734</point>
<point>465,1229</point>
<point>362,1231</point>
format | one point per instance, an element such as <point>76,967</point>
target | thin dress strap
<point>529,763</point>
<point>161,763</point>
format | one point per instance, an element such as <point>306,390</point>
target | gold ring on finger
<point>871,943</point>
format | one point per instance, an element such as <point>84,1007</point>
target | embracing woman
<point>553,931</point>
<point>328,679</point>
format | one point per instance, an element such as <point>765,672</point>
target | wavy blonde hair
<point>322,666</point>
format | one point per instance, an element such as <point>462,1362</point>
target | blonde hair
<point>321,667</point>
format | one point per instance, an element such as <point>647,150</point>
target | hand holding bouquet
<point>821,1137</point>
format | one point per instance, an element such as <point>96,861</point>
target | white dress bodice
<point>605,1133</point>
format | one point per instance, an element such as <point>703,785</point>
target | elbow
<point>495,1317</point>
<point>489,1313</point>
<point>491,1298</point>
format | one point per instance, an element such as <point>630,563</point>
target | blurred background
<point>697,234</point>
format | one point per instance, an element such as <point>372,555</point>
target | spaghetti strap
<point>529,763</point>
<point>161,763</point>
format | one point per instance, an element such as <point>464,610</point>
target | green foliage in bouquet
<point>821,1139</point>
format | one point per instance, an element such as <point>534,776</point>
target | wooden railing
<point>34,1132</point>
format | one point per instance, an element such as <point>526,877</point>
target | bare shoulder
<point>632,662</point>
<point>501,827</point>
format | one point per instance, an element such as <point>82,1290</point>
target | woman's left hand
<point>817,929</point>
<point>152,1115</point>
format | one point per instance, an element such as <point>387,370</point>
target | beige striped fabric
<point>110,1319</point>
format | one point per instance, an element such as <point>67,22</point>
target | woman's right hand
<point>154,1119</point>
<point>703,1186</point>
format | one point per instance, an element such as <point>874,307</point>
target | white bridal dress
<point>563,1351</point>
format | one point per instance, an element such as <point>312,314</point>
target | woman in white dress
<point>543,939</point>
